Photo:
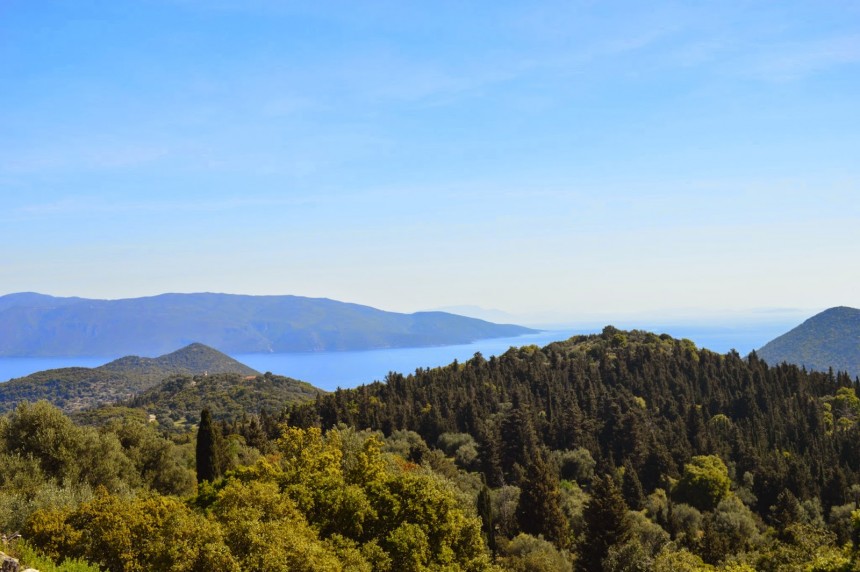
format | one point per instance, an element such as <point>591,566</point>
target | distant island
<point>36,325</point>
<point>830,339</point>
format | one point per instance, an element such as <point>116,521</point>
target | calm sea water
<point>330,370</point>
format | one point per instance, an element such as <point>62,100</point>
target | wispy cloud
<point>108,206</point>
<point>796,60</point>
<point>83,156</point>
<point>287,106</point>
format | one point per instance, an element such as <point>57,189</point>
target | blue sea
<point>330,370</point>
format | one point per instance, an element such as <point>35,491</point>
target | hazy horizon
<point>680,317</point>
<point>330,369</point>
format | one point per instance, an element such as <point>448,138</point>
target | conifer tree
<point>539,508</point>
<point>254,435</point>
<point>785,512</point>
<point>606,524</point>
<point>519,440</point>
<point>207,449</point>
<point>489,457</point>
<point>631,487</point>
<point>485,511</point>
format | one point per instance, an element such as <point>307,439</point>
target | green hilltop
<point>77,388</point>
<point>827,340</point>
<point>177,401</point>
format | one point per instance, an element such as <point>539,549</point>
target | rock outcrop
<point>9,564</point>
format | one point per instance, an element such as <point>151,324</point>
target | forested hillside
<point>827,340</point>
<point>76,388</point>
<point>715,448</point>
<point>177,401</point>
<point>618,452</point>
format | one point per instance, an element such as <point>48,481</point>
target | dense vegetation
<point>78,388</point>
<point>725,455</point>
<point>177,401</point>
<point>37,325</point>
<point>123,498</point>
<point>827,340</point>
<point>69,388</point>
<point>624,451</point>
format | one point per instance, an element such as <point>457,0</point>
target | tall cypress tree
<point>631,487</point>
<point>539,508</point>
<point>519,440</point>
<point>485,511</point>
<point>488,456</point>
<point>606,524</point>
<point>207,449</point>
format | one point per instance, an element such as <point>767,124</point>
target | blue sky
<point>554,159</point>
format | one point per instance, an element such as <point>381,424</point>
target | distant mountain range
<point>76,388</point>
<point>829,339</point>
<point>36,325</point>
<point>488,314</point>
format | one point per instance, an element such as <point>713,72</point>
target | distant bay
<point>326,370</point>
<point>330,370</point>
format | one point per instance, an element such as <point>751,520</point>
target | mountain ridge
<point>36,325</point>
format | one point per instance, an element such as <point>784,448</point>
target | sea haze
<point>330,370</point>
